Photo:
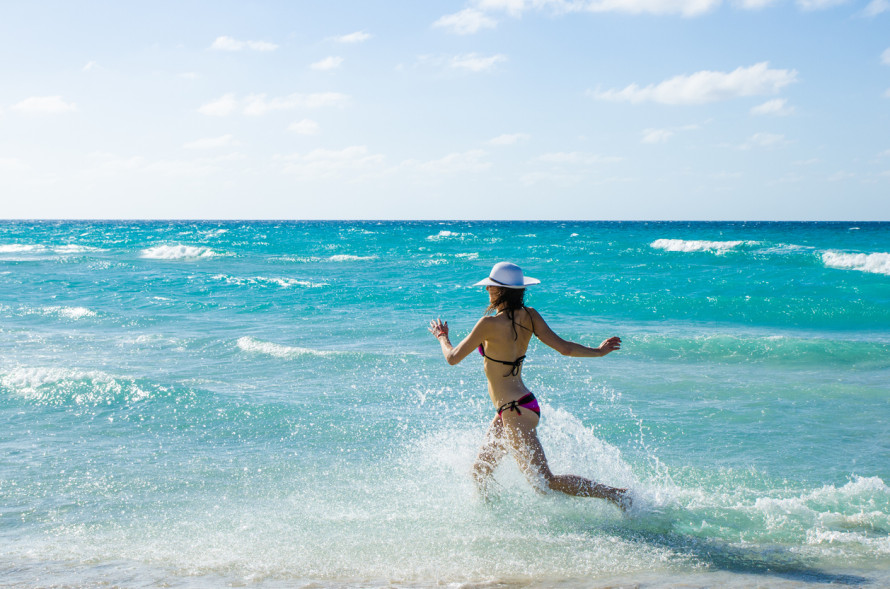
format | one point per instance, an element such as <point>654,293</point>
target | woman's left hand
<point>610,345</point>
<point>439,328</point>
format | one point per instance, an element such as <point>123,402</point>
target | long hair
<point>507,300</point>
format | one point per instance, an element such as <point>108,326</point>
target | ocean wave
<point>876,263</point>
<point>38,248</point>
<point>350,258</point>
<point>445,234</point>
<point>269,281</point>
<point>253,345</point>
<point>68,312</point>
<point>683,245</point>
<point>61,386</point>
<point>178,252</point>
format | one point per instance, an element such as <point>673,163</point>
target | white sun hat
<point>507,275</point>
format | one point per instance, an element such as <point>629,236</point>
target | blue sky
<point>477,109</point>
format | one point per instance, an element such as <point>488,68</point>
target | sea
<point>260,404</point>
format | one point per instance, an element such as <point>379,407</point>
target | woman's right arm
<point>454,354</point>
<point>567,348</point>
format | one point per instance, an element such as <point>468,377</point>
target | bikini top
<point>517,363</point>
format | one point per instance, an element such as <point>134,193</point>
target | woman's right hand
<point>610,345</point>
<point>439,328</point>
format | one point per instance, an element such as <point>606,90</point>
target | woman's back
<point>507,337</point>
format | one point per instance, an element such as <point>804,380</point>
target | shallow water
<point>196,404</point>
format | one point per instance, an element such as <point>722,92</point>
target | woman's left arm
<point>454,354</point>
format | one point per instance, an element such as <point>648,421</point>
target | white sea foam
<point>876,263</point>
<point>250,344</point>
<point>694,245</point>
<point>445,234</point>
<point>39,248</point>
<point>178,252</point>
<point>269,281</point>
<point>64,385</point>
<point>350,258</point>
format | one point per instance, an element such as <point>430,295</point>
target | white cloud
<point>508,139</point>
<point>188,75</point>
<point>230,44</point>
<point>876,7</point>
<point>683,7</point>
<point>465,22</point>
<point>777,107</point>
<point>662,135</point>
<point>453,163</point>
<point>90,66</point>
<point>212,142</point>
<point>304,127</point>
<point>356,37</point>
<point>221,107</point>
<point>328,63</point>
<point>754,4</point>
<point>657,135</point>
<point>885,57</point>
<point>476,63</point>
<point>818,4</point>
<point>258,104</point>
<point>325,163</point>
<point>764,140</point>
<point>887,93</point>
<point>705,86</point>
<point>576,158</point>
<point>40,105</point>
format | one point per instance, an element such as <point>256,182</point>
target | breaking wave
<point>876,263</point>
<point>178,252</point>
<point>683,245</point>
<point>253,345</point>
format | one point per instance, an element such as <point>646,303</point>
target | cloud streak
<point>705,86</point>
<point>230,44</point>
<point>465,22</point>
<point>261,104</point>
<point>44,105</point>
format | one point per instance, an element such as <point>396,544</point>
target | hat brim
<point>526,281</point>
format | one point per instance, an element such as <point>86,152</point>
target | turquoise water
<point>202,404</point>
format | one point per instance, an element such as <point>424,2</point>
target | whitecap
<point>253,345</point>
<point>178,252</point>
<point>350,258</point>
<point>266,280</point>
<point>876,263</point>
<point>63,385</point>
<point>39,248</point>
<point>694,245</point>
<point>445,234</point>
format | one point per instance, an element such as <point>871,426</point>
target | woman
<point>502,340</point>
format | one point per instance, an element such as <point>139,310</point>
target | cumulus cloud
<point>212,142</point>
<point>705,86</point>
<point>304,127</point>
<point>576,158</point>
<point>809,5</point>
<point>260,104</point>
<point>476,63</point>
<point>776,107</point>
<point>876,7</point>
<point>657,135</point>
<point>221,107</point>
<point>885,57</point>
<point>328,63</point>
<point>682,7</point>
<point>465,22</point>
<point>356,37</point>
<point>230,44</point>
<point>508,139</point>
<point>325,163</point>
<point>44,105</point>
<point>754,4</point>
<point>763,140</point>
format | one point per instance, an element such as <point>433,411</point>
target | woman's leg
<point>493,450</point>
<point>523,439</point>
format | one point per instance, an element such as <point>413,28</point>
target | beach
<point>194,404</point>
